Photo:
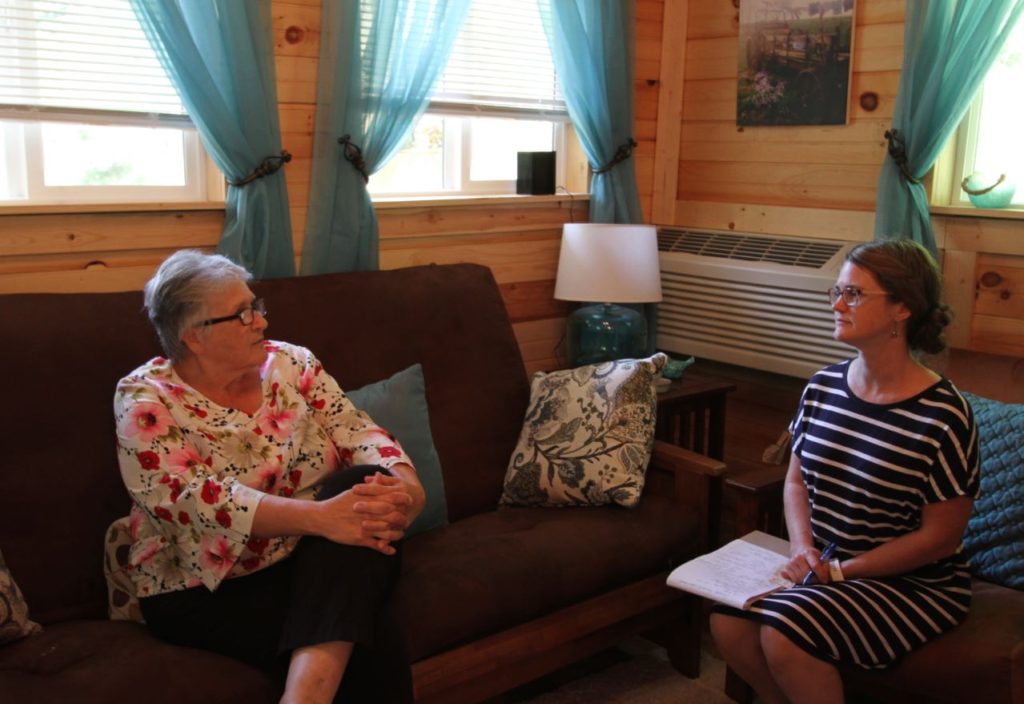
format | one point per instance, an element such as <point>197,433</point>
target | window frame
<point>35,96</point>
<point>25,165</point>
<point>946,196</point>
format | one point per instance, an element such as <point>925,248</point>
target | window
<point>498,96</point>
<point>989,141</point>
<point>87,114</point>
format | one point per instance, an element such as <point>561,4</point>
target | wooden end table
<point>691,414</point>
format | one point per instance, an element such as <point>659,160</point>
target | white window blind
<point>68,59</point>
<point>501,61</point>
<point>500,64</point>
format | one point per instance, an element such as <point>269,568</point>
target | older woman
<point>884,471</point>
<point>224,444</point>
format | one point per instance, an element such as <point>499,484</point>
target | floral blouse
<point>197,471</point>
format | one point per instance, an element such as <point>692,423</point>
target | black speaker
<point>535,173</point>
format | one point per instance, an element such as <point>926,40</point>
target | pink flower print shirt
<point>196,471</point>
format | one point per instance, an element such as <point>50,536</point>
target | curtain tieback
<point>621,154</point>
<point>898,152</point>
<point>354,155</point>
<point>268,166</point>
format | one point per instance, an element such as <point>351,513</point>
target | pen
<point>824,557</point>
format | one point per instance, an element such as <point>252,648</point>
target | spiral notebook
<point>738,573</point>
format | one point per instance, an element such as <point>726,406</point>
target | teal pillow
<point>994,541</point>
<point>399,405</point>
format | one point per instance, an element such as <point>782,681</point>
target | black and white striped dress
<point>869,470</point>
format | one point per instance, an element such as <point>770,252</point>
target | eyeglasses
<point>851,295</point>
<point>244,316</point>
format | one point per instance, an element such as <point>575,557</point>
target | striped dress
<point>869,470</point>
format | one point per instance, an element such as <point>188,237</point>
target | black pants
<point>322,592</point>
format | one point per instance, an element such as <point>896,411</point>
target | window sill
<point>462,201</point>
<point>56,209</point>
<point>961,211</point>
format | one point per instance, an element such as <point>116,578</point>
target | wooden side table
<point>691,414</point>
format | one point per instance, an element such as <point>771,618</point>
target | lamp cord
<point>572,201</point>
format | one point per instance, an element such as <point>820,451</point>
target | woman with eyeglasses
<point>879,489</point>
<point>267,509</point>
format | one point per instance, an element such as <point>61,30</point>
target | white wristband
<point>835,572</point>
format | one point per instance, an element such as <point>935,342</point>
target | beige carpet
<point>637,672</point>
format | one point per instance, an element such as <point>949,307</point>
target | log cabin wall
<point>694,168</point>
<point>814,181</point>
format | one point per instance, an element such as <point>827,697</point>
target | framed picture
<point>794,62</point>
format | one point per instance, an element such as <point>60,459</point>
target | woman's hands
<point>803,559</point>
<point>374,514</point>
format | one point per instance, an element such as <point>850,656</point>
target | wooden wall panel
<point>820,181</point>
<point>812,181</point>
<point>821,167</point>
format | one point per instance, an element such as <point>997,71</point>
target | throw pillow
<point>399,405</point>
<point>994,541</point>
<point>14,621</point>
<point>122,604</point>
<point>587,437</point>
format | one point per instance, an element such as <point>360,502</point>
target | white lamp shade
<point>602,263</point>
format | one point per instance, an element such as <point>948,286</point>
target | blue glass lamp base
<point>604,332</point>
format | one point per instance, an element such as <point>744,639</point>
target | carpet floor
<point>635,672</point>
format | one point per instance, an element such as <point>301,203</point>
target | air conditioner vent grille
<point>726,245</point>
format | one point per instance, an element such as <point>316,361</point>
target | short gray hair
<point>176,296</point>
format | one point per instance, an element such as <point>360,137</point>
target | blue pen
<point>826,554</point>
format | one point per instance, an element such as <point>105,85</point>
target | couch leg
<point>737,689</point>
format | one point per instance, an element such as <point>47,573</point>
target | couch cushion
<point>14,620</point>
<point>95,662</point>
<point>365,326</point>
<point>587,436</point>
<point>399,404</point>
<point>994,541</point>
<point>492,571</point>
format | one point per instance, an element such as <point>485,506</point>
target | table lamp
<point>604,265</point>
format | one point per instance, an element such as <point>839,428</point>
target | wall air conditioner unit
<point>752,300</point>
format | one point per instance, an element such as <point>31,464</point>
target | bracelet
<point>835,572</point>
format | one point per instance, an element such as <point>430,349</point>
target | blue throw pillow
<point>399,405</point>
<point>994,541</point>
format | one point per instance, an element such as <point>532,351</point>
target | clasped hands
<point>374,514</point>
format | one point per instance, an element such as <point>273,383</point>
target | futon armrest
<point>692,480</point>
<point>757,492</point>
<point>767,478</point>
<point>677,459</point>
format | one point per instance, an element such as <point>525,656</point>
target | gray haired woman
<point>267,510</point>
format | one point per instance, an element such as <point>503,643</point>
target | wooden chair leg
<point>684,637</point>
<point>737,689</point>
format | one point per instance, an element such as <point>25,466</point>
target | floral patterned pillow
<point>587,436</point>
<point>14,623</point>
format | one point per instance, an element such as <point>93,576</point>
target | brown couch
<point>493,599</point>
<point>982,660</point>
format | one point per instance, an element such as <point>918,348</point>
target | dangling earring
<point>895,332</point>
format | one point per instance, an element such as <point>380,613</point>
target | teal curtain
<point>379,61</point>
<point>219,55</point>
<point>948,48</point>
<point>592,47</point>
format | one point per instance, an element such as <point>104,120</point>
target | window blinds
<point>72,59</point>
<point>501,61</point>
<point>500,64</point>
